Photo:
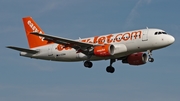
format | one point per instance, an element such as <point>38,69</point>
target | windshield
<point>158,33</point>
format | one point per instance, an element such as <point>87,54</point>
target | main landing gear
<point>88,64</point>
<point>109,69</point>
<point>150,59</point>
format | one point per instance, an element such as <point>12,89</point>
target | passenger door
<point>145,35</point>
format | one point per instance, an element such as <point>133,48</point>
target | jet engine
<point>136,59</point>
<point>104,50</point>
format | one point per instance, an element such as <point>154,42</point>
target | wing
<point>64,41</point>
<point>23,49</point>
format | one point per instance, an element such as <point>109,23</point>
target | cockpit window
<point>164,32</point>
<point>158,33</point>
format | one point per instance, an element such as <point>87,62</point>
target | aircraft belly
<point>65,55</point>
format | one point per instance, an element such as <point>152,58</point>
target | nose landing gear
<point>150,59</point>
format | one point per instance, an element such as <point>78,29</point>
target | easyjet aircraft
<point>129,47</point>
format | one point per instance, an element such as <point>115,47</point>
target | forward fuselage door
<point>145,35</point>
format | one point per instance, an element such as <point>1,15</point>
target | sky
<point>25,79</point>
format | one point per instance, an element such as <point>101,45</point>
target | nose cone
<point>171,40</point>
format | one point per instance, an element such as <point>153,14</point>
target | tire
<point>151,59</point>
<point>88,64</point>
<point>110,69</point>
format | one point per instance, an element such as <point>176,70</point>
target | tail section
<point>31,26</point>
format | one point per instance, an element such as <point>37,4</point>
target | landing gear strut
<point>88,64</point>
<point>150,59</point>
<point>111,69</point>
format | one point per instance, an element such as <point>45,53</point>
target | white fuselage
<point>125,43</point>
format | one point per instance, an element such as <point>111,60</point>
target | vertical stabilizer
<point>31,26</point>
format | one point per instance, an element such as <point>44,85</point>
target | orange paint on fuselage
<point>61,47</point>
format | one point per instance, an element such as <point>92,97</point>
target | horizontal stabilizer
<point>23,49</point>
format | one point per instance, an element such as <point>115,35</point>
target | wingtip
<point>8,46</point>
<point>34,33</point>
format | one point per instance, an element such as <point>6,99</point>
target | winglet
<point>31,26</point>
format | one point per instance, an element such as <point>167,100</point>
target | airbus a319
<point>129,47</point>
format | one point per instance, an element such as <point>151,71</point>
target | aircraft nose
<point>171,39</point>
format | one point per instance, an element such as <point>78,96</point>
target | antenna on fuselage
<point>79,39</point>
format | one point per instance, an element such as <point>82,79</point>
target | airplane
<point>130,47</point>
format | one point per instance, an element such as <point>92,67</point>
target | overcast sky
<point>24,79</point>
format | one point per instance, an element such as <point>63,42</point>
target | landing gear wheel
<point>151,59</point>
<point>88,64</point>
<point>110,69</point>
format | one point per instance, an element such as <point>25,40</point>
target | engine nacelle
<point>136,59</point>
<point>104,50</point>
<point>119,48</point>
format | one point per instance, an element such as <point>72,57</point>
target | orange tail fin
<point>31,26</point>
